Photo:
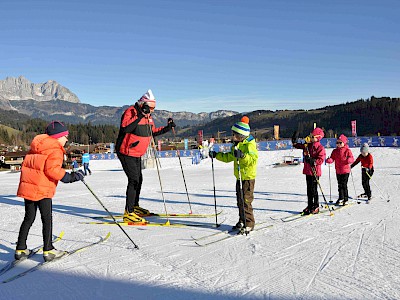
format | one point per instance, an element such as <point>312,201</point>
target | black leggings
<point>342,180</point>
<point>45,208</point>
<point>312,192</point>
<point>365,182</point>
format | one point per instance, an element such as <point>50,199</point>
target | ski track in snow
<point>351,255</point>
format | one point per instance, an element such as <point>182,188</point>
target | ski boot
<point>21,254</point>
<point>305,211</point>
<point>239,225</point>
<point>133,218</point>
<point>345,202</point>
<point>362,196</point>
<point>141,211</point>
<point>315,211</point>
<point>52,254</point>
<point>338,202</point>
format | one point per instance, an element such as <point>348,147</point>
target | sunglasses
<point>338,143</point>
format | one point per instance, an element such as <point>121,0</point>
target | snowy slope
<point>354,254</point>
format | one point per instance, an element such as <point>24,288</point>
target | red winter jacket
<point>366,161</point>
<point>342,157</point>
<point>135,132</point>
<point>316,151</point>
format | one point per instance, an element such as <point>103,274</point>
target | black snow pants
<point>45,208</point>
<point>133,169</point>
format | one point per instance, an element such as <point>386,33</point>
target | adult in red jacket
<point>314,157</point>
<point>135,134</point>
<point>40,173</point>
<point>343,157</point>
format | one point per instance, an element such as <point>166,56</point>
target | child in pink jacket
<point>314,157</point>
<point>343,157</point>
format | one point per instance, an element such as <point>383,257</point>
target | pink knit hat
<point>343,138</point>
<point>318,133</point>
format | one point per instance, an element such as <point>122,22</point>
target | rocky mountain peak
<point>21,88</point>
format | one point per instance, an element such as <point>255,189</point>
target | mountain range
<point>21,99</point>
<point>52,101</point>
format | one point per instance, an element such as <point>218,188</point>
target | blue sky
<point>206,55</point>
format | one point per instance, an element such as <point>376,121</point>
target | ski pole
<point>354,186</point>
<point>330,184</point>
<point>183,175</point>
<point>384,197</point>
<point>105,208</point>
<point>215,197</point>
<point>316,178</point>
<point>241,194</point>
<point>159,178</point>
<point>320,187</point>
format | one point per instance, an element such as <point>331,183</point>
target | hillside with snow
<point>354,254</point>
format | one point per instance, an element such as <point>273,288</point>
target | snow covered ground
<point>354,254</point>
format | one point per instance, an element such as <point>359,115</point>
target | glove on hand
<point>238,153</point>
<point>212,154</point>
<point>145,108</point>
<point>73,176</point>
<point>370,172</point>
<point>295,137</point>
<point>170,123</point>
<point>310,160</point>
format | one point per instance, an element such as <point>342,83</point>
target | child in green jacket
<point>244,154</point>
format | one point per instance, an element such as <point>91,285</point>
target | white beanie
<point>148,97</point>
<point>364,148</point>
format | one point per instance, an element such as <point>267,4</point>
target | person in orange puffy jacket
<point>343,157</point>
<point>40,173</point>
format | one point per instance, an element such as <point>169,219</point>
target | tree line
<point>373,116</point>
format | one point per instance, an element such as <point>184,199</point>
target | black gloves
<point>238,153</point>
<point>370,172</point>
<point>212,154</point>
<point>310,160</point>
<point>295,137</point>
<point>73,176</point>
<point>170,123</point>
<point>145,108</point>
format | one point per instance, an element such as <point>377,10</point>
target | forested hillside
<point>372,115</point>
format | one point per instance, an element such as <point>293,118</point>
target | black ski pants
<point>342,180</point>
<point>312,191</point>
<point>245,191</point>
<point>45,208</point>
<point>365,182</point>
<point>133,169</point>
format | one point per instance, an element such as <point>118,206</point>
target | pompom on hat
<point>148,98</point>
<point>318,133</point>
<point>242,127</point>
<point>56,129</point>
